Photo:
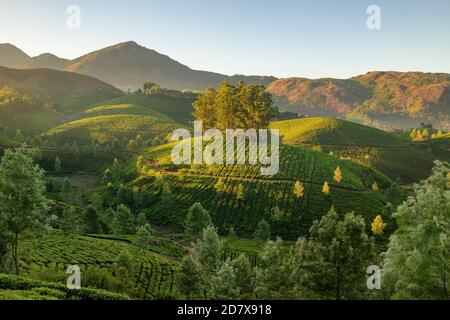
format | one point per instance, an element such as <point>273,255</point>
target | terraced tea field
<point>156,272</point>
<point>105,129</point>
<point>261,195</point>
<point>364,145</point>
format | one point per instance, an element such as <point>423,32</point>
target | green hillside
<point>262,194</point>
<point>35,123</point>
<point>58,251</point>
<point>106,129</point>
<point>177,109</point>
<point>69,91</point>
<point>361,144</point>
<point>21,288</point>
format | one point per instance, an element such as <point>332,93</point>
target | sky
<point>283,38</point>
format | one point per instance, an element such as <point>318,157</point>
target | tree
<point>224,283</point>
<point>19,136</point>
<point>189,278</point>
<point>57,165</point>
<point>66,187</point>
<point>208,250</point>
<point>378,226</point>
<point>122,195</point>
<point>143,237</point>
<point>140,162</point>
<point>326,188</point>
<point>262,232</point>
<point>22,197</point>
<point>166,193</point>
<point>273,276</point>
<point>231,107</point>
<point>413,135</point>
<point>91,221</point>
<point>337,175</point>
<point>123,221</point>
<point>141,219</point>
<point>332,263</point>
<point>197,219</point>
<point>375,186</point>
<point>69,221</point>
<point>246,284</point>
<point>299,190</point>
<point>219,185</point>
<point>240,193</point>
<point>417,262</point>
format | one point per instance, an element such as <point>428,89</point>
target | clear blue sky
<point>314,38</point>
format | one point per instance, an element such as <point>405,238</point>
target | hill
<point>260,195</point>
<point>128,65</point>
<point>361,144</point>
<point>109,129</point>
<point>10,55</point>
<point>394,99</point>
<point>176,109</point>
<point>67,90</point>
<point>44,61</point>
<point>56,251</point>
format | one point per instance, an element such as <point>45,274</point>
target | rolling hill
<point>44,61</point>
<point>380,98</point>
<point>261,194</point>
<point>69,91</point>
<point>11,56</point>
<point>361,144</point>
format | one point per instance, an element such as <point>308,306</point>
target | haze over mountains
<point>127,66</point>
<point>382,99</point>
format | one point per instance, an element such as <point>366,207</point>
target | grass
<point>361,144</point>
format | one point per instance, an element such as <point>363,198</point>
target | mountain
<point>129,65</point>
<point>398,99</point>
<point>46,60</point>
<point>10,55</point>
<point>66,89</point>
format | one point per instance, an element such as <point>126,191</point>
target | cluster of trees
<point>425,134</point>
<point>13,102</point>
<point>234,107</point>
<point>333,261</point>
<point>154,89</point>
<point>330,264</point>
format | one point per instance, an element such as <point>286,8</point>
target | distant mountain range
<point>397,99</point>
<point>127,66</point>
<point>382,99</point>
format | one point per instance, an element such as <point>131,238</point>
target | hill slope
<point>66,89</point>
<point>391,98</point>
<point>46,60</point>
<point>128,65</point>
<point>10,55</point>
<point>261,195</point>
<point>361,144</point>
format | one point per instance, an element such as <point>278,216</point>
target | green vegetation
<point>263,194</point>
<point>231,107</point>
<point>361,144</point>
